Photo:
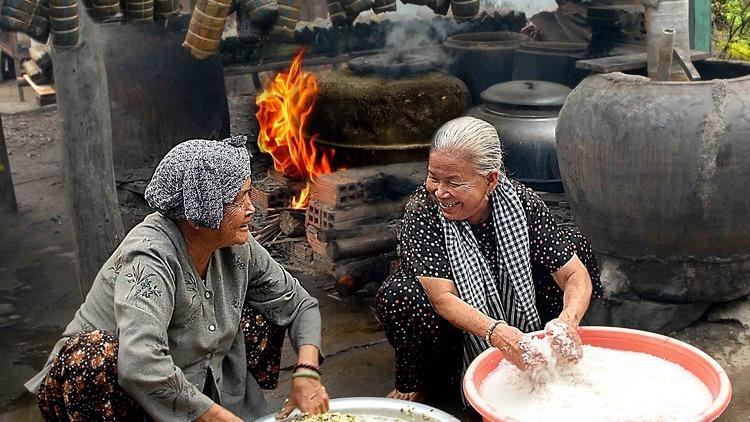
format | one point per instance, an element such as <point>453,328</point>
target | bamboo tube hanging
<point>27,16</point>
<point>166,8</point>
<point>206,26</point>
<point>261,13</point>
<point>106,9</point>
<point>139,10</point>
<point>286,21</point>
<point>64,23</point>
<point>464,10</point>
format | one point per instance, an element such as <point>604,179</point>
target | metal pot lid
<point>392,64</point>
<point>526,94</point>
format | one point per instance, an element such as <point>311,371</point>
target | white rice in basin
<point>606,386</point>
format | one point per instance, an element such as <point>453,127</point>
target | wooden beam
<point>83,105</point>
<point>627,62</point>
<point>7,193</point>
<point>684,61</point>
<point>310,60</point>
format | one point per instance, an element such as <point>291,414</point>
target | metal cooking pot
<point>525,116</point>
<point>383,409</point>
<point>482,59</point>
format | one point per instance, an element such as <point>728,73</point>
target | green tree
<point>732,22</point>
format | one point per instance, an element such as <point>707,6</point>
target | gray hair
<point>475,138</point>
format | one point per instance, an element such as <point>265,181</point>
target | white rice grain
<point>606,386</point>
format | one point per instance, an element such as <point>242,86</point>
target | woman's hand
<point>217,413</point>
<point>306,394</point>
<point>517,348</point>
<point>564,338</point>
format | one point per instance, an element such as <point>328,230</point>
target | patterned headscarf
<point>197,177</point>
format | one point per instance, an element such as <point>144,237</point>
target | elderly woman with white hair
<point>482,262</point>
<point>185,320</point>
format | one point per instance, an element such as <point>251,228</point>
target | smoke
<point>421,34</point>
<point>528,7</point>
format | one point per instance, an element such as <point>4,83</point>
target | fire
<point>283,111</point>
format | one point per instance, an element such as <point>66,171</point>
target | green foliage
<point>738,51</point>
<point>732,19</point>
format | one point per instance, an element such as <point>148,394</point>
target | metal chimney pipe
<point>662,14</point>
<point>664,62</point>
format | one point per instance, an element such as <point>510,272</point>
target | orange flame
<point>283,110</point>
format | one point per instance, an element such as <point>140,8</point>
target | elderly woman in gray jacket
<point>180,319</point>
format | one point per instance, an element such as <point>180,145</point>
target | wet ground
<point>39,291</point>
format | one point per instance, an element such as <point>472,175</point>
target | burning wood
<point>283,111</point>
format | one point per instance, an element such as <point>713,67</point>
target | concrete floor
<point>39,292</point>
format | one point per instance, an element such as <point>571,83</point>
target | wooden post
<point>17,65</point>
<point>7,194</point>
<point>83,104</point>
<point>700,25</point>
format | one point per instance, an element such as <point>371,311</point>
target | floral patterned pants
<point>82,382</point>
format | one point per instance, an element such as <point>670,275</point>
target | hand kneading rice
<point>606,386</point>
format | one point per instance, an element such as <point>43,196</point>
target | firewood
<point>327,235</point>
<point>292,223</point>
<point>362,245</point>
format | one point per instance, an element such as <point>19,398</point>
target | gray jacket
<point>175,329</point>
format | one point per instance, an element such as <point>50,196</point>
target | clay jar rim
<point>643,80</point>
<point>485,40</point>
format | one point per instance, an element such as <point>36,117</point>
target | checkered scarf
<point>513,298</point>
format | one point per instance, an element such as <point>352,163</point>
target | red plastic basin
<point>701,365</point>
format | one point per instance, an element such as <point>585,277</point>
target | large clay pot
<point>384,109</point>
<point>549,61</point>
<point>482,59</point>
<point>525,116</point>
<point>658,178</point>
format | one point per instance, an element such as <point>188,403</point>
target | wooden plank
<point>39,89</point>
<point>627,62</point>
<point>681,57</point>
<point>7,193</point>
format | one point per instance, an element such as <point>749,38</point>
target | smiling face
<point>235,226</point>
<point>460,191</point>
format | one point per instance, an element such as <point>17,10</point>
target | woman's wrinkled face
<point>460,191</point>
<point>238,214</point>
